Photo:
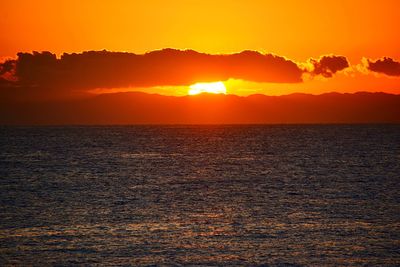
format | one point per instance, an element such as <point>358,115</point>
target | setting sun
<point>214,88</point>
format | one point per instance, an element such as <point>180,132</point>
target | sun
<point>214,88</point>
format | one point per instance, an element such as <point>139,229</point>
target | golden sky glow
<point>293,29</point>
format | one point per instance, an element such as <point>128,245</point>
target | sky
<point>300,32</point>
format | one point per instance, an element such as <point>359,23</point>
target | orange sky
<point>355,29</point>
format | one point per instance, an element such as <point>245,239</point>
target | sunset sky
<point>361,32</point>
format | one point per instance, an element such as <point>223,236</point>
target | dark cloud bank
<point>167,67</point>
<point>102,69</point>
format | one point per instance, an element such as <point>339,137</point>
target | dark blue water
<point>200,195</point>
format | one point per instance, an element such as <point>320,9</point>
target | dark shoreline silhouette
<point>143,108</point>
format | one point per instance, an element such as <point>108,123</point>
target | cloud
<point>7,72</point>
<point>327,66</point>
<point>384,65</point>
<point>167,67</point>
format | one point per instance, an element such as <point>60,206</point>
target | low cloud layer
<point>166,67</point>
<point>384,65</point>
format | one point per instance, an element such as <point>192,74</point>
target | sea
<point>200,195</point>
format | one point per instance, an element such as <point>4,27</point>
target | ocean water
<point>279,195</point>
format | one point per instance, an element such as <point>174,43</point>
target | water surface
<point>200,195</point>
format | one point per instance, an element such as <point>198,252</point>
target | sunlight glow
<point>214,88</point>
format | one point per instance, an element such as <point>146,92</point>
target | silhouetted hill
<point>142,108</point>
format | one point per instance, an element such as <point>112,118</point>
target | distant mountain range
<point>143,108</point>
